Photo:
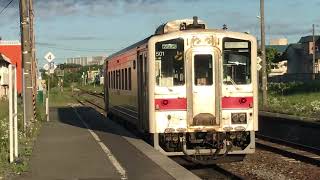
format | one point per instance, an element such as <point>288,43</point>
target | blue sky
<point>71,28</point>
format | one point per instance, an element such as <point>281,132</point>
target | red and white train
<point>193,90</point>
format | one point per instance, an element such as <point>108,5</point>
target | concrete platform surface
<point>80,143</point>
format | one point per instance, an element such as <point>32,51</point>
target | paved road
<point>65,149</point>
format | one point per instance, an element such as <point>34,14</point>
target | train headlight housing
<point>239,118</point>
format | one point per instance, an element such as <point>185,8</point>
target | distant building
<point>86,60</point>
<point>97,60</point>
<point>280,67</point>
<point>281,41</point>
<point>83,61</point>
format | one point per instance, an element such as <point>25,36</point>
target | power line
<point>76,49</point>
<point>6,7</point>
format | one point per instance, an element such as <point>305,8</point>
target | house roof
<point>280,48</point>
<point>4,58</point>
<point>306,39</point>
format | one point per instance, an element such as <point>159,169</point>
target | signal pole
<point>26,63</point>
<point>263,57</point>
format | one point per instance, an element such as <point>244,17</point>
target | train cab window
<point>203,70</point>
<point>170,62</point>
<point>236,61</point>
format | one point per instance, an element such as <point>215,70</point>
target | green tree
<point>272,56</point>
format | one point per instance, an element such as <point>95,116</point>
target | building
<point>279,67</point>
<point>12,50</point>
<point>300,56</point>
<point>97,60</point>
<point>4,75</point>
<point>85,61</point>
<point>280,41</point>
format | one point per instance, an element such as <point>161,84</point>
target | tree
<point>272,56</point>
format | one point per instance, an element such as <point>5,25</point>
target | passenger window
<point>114,80</point>
<point>122,79</point>
<point>126,79</point>
<point>129,73</point>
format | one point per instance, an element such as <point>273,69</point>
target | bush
<point>293,87</point>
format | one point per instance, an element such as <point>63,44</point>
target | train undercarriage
<point>207,147</point>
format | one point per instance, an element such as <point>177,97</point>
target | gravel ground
<point>271,166</point>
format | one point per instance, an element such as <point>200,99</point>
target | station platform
<point>79,143</point>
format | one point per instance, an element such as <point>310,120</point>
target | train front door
<point>201,88</point>
<point>142,91</point>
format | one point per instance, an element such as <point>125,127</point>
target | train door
<point>202,87</point>
<point>142,91</point>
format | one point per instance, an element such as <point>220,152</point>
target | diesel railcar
<point>193,90</point>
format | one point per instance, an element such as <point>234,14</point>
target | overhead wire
<point>76,49</point>
<point>4,8</point>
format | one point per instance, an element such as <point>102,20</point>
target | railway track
<point>206,172</point>
<point>291,149</point>
<point>293,137</point>
<point>288,149</point>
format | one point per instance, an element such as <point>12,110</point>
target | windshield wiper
<point>229,79</point>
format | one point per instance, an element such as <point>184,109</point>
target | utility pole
<point>313,52</point>
<point>32,41</point>
<point>26,63</point>
<point>263,57</point>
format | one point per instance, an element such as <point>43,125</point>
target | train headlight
<point>239,118</point>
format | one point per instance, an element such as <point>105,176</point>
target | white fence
<point>13,113</point>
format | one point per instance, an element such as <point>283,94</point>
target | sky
<point>71,28</point>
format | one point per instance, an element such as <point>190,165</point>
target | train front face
<point>203,97</point>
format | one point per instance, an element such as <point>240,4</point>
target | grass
<point>58,99</point>
<point>26,141</point>
<point>92,88</point>
<point>300,104</point>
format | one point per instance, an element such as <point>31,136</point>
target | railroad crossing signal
<point>49,57</point>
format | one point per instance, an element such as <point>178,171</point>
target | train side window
<point>114,79</point>
<point>118,79</point>
<point>110,80</point>
<point>120,76</point>
<point>129,79</point>
<point>126,79</point>
<point>122,79</point>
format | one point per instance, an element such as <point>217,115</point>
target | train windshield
<point>236,61</point>
<point>170,62</point>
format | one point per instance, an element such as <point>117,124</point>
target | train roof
<point>175,27</point>
<point>130,47</point>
